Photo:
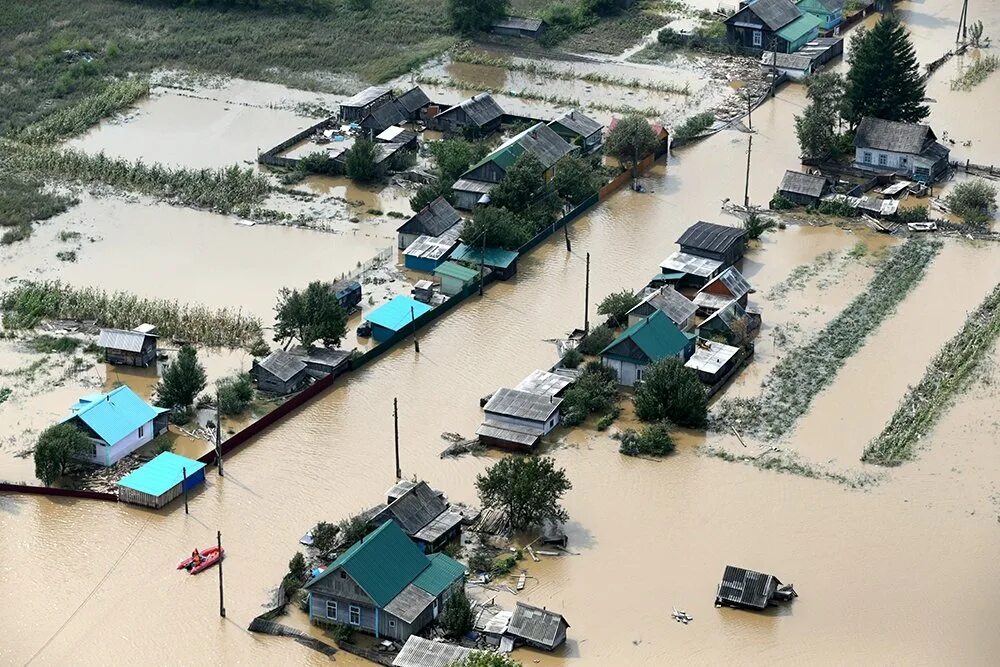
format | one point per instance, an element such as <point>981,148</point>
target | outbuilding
<point>388,114</point>
<point>129,348</point>
<point>670,302</point>
<point>117,422</point>
<point>803,189</point>
<point>501,262</point>
<point>348,292</point>
<point>432,220</point>
<point>730,285</point>
<point>427,253</point>
<point>537,627</point>
<point>518,419</point>
<point>424,516</point>
<point>420,652</point>
<point>751,590</point>
<point>712,361</point>
<point>480,114</point>
<point>161,480</point>
<point>683,269</point>
<point>413,102</point>
<point>650,340</point>
<point>579,129</point>
<point>455,277</point>
<point>395,316</point>
<point>718,242</point>
<point>280,373</point>
<point>354,109</point>
<point>517,26</point>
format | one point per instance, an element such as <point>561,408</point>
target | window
<point>141,429</point>
<point>355,615</point>
<point>331,610</point>
<point>392,623</point>
<point>867,158</point>
<point>883,159</point>
<point>638,375</point>
<point>903,161</point>
<point>758,38</point>
<point>343,575</point>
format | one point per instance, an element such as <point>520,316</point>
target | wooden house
<point>455,277</point>
<point>280,373</point>
<point>384,585</point>
<point>537,627</point>
<point>129,348</point>
<point>772,25</point>
<point>803,189</point>
<point>322,361</point>
<point>394,316</point>
<point>503,263</point>
<point>518,419</point>
<point>712,361</point>
<point>516,26</point>
<point>161,480</point>
<point>730,285</point>
<point>354,109</point>
<point>579,130</point>
<point>479,115</point>
<point>751,590</point>
<point>652,339</point>
<point>829,12</point>
<point>670,302</point>
<point>717,242</point>
<point>414,102</point>
<point>731,323</point>
<point>348,293</point>
<point>907,149</point>
<point>117,423</point>
<point>388,114</point>
<point>540,140</point>
<point>432,220</point>
<point>423,514</point>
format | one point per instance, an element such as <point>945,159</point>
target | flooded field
<point>867,564</point>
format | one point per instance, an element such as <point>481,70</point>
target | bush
<point>781,203</point>
<point>353,529</point>
<point>973,201</point>
<point>915,214</point>
<point>654,440</point>
<point>324,536</point>
<point>595,390</point>
<point>360,163</point>
<point>598,339</point>
<point>838,208</point>
<point>617,305</point>
<point>756,224</point>
<point>572,358</point>
<point>669,391</point>
<point>457,618</point>
<point>694,126</point>
<point>296,576</point>
<point>317,162</point>
<point>343,634</point>
<point>47,344</point>
<point>235,394</point>
<point>607,420</point>
<point>481,560</point>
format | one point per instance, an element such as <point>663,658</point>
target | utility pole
<point>774,63</point>
<point>749,110</point>
<point>586,300</point>
<point>413,323</point>
<point>746,187</point>
<point>222,604</point>
<point>482,264</point>
<point>184,485</point>
<point>962,29</point>
<point>395,426</point>
<point>218,437</point>
<point>566,233</point>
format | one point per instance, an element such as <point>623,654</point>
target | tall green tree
<point>671,392</point>
<point>496,228</point>
<point>817,127</point>
<point>182,380</point>
<point>457,618</point>
<point>359,164</point>
<point>469,16</point>
<point>884,78</point>
<point>454,156</point>
<point>528,487</point>
<point>617,304</point>
<point>576,179</point>
<point>631,140</point>
<point>313,314</point>
<point>521,185</point>
<point>57,447</point>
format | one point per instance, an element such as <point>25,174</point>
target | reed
<point>75,119</point>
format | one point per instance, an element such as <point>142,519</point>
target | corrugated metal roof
<point>544,383</point>
<point>161,474</point>
<point>409,604</point>
<point>114,415</point>
<point>420,652</point>
<point>456,271</point>
<point>366,96</point>
<point>670,302</point>
<point>888,135</point>
<point>578,123</point>
<point>538,625</point>
<point>442,573</point>
<point>800,27</point>
<point>469,185</point>
<point>682,262</point>
<point>711,237</point>
<point>414,99</point>
<point>120,339</point>
<point>498,431</point>
<point>803,184</point>
<point>434,247</point>
<point>495,258</point>
<point>434,219</point>
<point>732,280</point>
<point>282,365</point>
<point>414,509</point>
<point>481,109</point>
<point>710,356</point>
<point>522,405</point>
<point>656,336</point>
<point>746,588</point>
<point>540,140</point>
<point>438,526</point>
<point>518,23</point>
<point>493,622</point>
<point>397,313</point>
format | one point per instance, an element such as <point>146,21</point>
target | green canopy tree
<point>817,127</point>
<point>974,201</point>
<point>457,618</point>
<point>469,16</point>
<point>359,164</point>
<point>576,179</point>
<point>630,140</point>
<point>617,304</point>
<point>521,184</point>
<point>884,77</point>
<point>454,157</point>
<point>528,487</point>
<point>671,392</point>
<point>310,315</point>
<point>182,380</point>
<point>497,228</point>
<point>57,447</point>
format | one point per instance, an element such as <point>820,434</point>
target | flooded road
<point>868,564</point>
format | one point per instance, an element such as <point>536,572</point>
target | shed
<point>579,129</point>
<point>481,114</point>
<point>354,109</point>
<point>516,26</point>
<point>161,480</point>
<point>348,293</point>
<point>394,316</point>
<point>502,262</point>
<point>693,270</point>
<point>427,253</point>
<point>518,419</point>
<point>670,302</point>
<point>750,589</point>
<point>730,285</point>
<point>537,627</point>
<point>719,242</point>
<point>381,117</point>
<point>455,277</point>
<point>397,135</point>
<point>432,220</point>
<point>650,340</point>
<point>129,348</point>
<point>413,102</point>
<point>424,516</point>
<point>803,189</point>
<point>711,361</point>
<point>469,193</point>
<point>117,423</point>
<point>420,652</point>
<point>280,372</point>
<point>322,361</point>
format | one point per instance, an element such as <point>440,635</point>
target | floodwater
<point>869,565</point>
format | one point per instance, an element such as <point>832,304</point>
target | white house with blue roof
<point>117,422</point>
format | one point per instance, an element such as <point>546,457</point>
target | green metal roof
<point>383,563</point>
<point>656,336</point>
<point>800,27</point>
<point>442,573</point>
<point>457,271</point>
<point>493,258</point>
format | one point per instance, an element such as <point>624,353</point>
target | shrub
<point>324,536</point>
<point>353,528</point>
<point>360,162</point>
<point>654,440</point>
<point>598,339</point>
<point>235,393</point>
<point>838,208</point>
<point>756,224</point>
<point>343,634</point>
<point>617,305</point>
<point>781,203</point>
<point>974,201</point>
<point>595,390</point>
<point>572,358</point>
<point>694,126</point>
<point>669,391</point>
<point>481,560</point>
<point>47,344</point>
<point>182,379</point>
<point>457,618</point>
<point>914,214</point>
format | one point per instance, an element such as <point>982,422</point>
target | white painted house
<point>117,423</point>
<point>909,149</point>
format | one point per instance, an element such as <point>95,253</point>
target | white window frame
<point>354,609</point>
<point>758,38</point>
<point>141,428</point>
<point>334,603</point>
<point>883,160</point>
<point>866,157</point>
<point>638,374</point>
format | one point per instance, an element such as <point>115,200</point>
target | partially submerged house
<point>394,316</point>
<point>829,12</point>
<point>348,292</point>
<point>803,189</point>
<point>354,109</point>
<point>384,585</point>
<point>420,652</point>
<point>518,419</point>
<point>426,253</point>
<point>713,361</point>
<point>322,361</point>
<point>117,423</point>
<point>517,26</point>
<point>680,309</point>
<point>478,115</point>
<point>387,114</point>
<point>280,373</point>
<point>719,242</point>
<point>652,339</point>
<point>579,129</point>
<point>129,348</point>
<point>423,514</point>
<point>161,480</point>
<point>501,262</point>
<point>432,220</point>
<point>537,627</point>
<point>773,25</point>
<point>413,102</point>
<point>751,590</point>
<point>907,149</point>
<point>730,285</point>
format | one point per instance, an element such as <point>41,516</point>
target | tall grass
<point>27,304</point>
<point>948,375</point>
<point>70,121</point>
<point>976,73</point>
<point>23,201</point>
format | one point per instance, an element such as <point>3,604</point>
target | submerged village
<point>483,334</point>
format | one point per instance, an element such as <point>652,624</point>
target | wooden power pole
<point>746,187</point>
<point>222,604</point>
<point>218,436</point>
<point>395,426</point>
<point>413,323</point>
<point>963,32</point>
<point>586,300</point>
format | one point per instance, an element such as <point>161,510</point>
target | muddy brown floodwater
<point>897,574</point>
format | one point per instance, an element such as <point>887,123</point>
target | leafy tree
<point>182,380</point>
<point>353,528</point>
<point>521,185</point>
<point>617,304</point>
<point>974,201</point>
<point>756,224</point>
<point>595,390</point>
<point>310,315</point>
<point>427,193</point>
<point>296,576</point>
<point>454,157</point>
<point>501,228</point>
<point>360,160</point>
<point>693,126</point>
<point>528,487</point>
<point>654,440</point>
<point>630,140</point>
<point>235,393</point>
<point>457,618</point>
<point>485,659</point>
<point>595,341</point>
<point>884,79</point>
<point>324,536</point>
<point>669,391</point>
<point>572,358</point>
<point>469,16</point>
<point>600,7</point>
<point>576,179</point>
<point>817,127</point>
<point>57,447</point>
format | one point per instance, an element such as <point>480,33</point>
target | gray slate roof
<point>803,184</point>
<point>747,588</point>
<point>420,652</point>
<point>672,303</point>
<point>414,99</point>
<point>526,437</point>
<point>578,123</point>
<point>366,96</point>
<point>410,602</point>
<point>320,355</point>
<point>283,365</point>
<point>386,115</point>
<point>543,142</point>
<point>120,339</point>
<point>434,219</point>
<point>518,23</point>
<point>776,14</point>
<point>522,405</point>
<point>538,625</point>
<point>481,109</point>
<point>888,135</point>
<point>414,509</point>
<point>439,525</point>
<point>711,237</point>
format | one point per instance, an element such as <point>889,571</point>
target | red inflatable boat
<point>209,557</point>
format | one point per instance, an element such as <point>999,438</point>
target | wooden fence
<point>270,156</point>
<point>6,487</point>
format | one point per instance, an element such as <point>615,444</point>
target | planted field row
<point>73,120</point>
<point>948,375</point>
<point>791,464</point>
<point>801,375</point>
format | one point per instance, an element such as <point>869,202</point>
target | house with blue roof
<point>649,340</point>
<point>384,585</point>
<point>117,422</point>
<point>394,316</point>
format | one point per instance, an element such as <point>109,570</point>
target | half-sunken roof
<point>888,135</point>
<point>522,405</point>
<point>747,588</point>
<point>518,23</point>
<point>803,184</point>
<point>576,122</point>
<point>433,219</point>
<point>535,624</point>
<point>711,237</point>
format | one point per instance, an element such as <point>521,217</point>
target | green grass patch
<point>615,34</point>
<point>51,344</point>
<point>24,200</point>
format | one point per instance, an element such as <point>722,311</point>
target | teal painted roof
<point>494,257</point>
<point>457,271</point>
<point>800,27</point>
<point>441,574</point>
<point>396,314</point>
<point>383,563</point>
<point>161,474</point>
<point>656,336</point>
<point>114,415</point>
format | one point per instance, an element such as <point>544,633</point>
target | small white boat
<point>922,226</point>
